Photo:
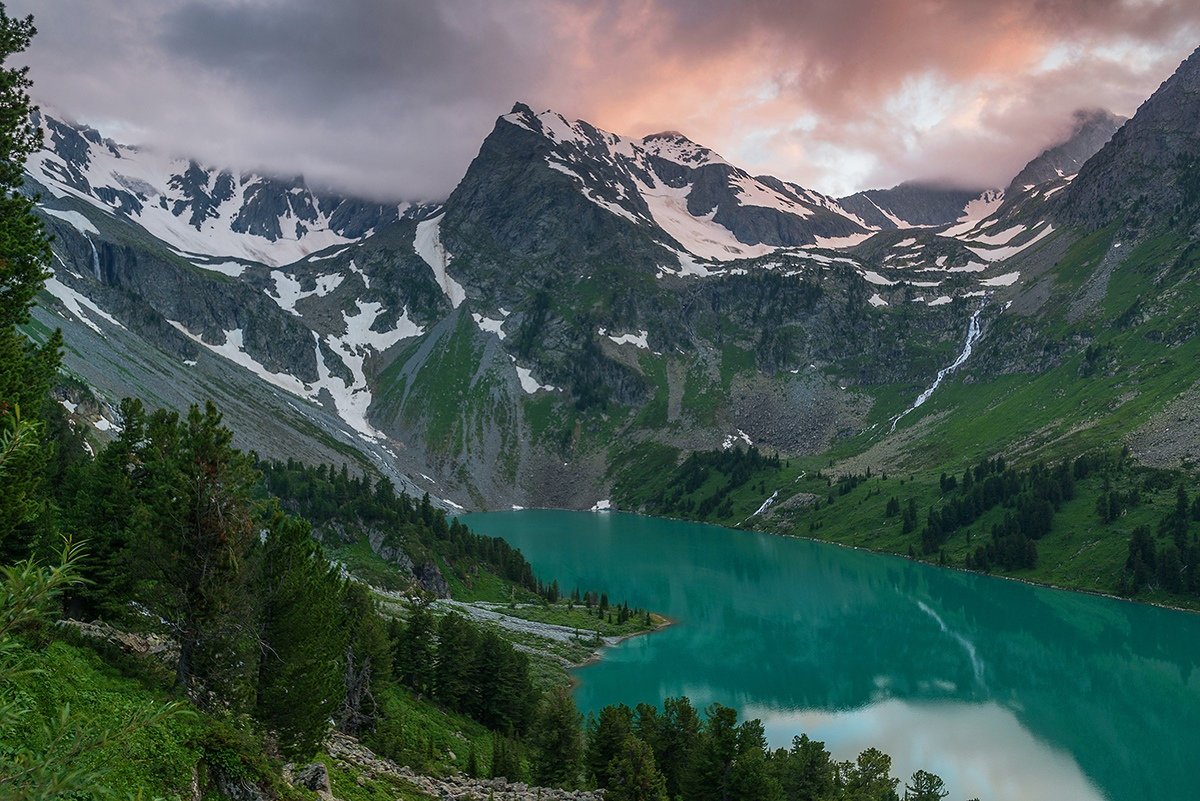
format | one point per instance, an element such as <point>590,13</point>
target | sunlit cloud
<point>393,98</point>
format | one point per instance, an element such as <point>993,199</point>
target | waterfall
<point>972,337</point>
<point>95,259</point>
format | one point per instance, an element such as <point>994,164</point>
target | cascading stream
<point>95,258</point>
<point>972,338</point>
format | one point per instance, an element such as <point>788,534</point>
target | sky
<point>391,99</point>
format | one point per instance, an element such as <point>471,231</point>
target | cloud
<point>392,99</point>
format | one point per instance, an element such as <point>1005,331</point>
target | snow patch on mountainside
<point>428,245</point>
<point>640,339</point>
<point>233,349</point>
<point>77,220</point>
<point>488,324</point>
<point>698,235</point>
<point>76,303</point>
<point>1002,253</point>
<point>118,170</point>
<point>288,292</point>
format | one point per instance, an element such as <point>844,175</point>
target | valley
<point>615,468</point>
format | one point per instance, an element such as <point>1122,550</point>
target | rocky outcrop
<point>912,202</point>
<point>348,751</point>
<point>314,777</point>
<point>1146,174</point>
<point>432,580</point>
<point>1091,129</point>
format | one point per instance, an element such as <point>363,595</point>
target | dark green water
<point>1009,692</point>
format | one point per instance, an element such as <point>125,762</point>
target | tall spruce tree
<point>196,540</point>
<point>631,775</point>
<point>101,512</point>
<point>301,668</point>
<point>368,660</point>
<point>556,733</point>
<point>606,739</point>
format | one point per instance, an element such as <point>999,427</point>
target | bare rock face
<point>314,777</point>
<point>1090,132</point>
<point>432,580</point>
<point>1148,170</point>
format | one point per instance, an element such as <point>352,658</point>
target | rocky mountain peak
<point>1148,171</point>
<point>1090,130</point>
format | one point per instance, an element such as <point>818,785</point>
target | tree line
<point>325,494</point>
<point>734,466</point>
<point>650,753</point>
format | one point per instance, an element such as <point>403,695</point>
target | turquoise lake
<point>1008,691</point>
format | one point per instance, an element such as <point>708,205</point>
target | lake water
<point>1009,692</point>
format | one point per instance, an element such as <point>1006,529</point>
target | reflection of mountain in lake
<point>788,629</point>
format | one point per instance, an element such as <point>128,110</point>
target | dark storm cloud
<point>393,98</point>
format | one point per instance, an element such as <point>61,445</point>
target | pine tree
<point>454,664</point>
<point>196,537</point>
<point>712,763</point>
<point>368,659</point>
<point>506,759</point>
<point>678,741</point>
<point>26,370</point>
<point>869,777</point>
<point>807,771</point>
<point>105,503</point>
<point>416,652</point>
<point>556,734</point>
<point>301,670</point>
<point>631,775</point>
<point>925,786</point>
<point>606,739</point>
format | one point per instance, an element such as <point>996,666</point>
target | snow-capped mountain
<point>699,205</point>
<point>203,211</point>
<point>577,285</point>
<point>917,205</point>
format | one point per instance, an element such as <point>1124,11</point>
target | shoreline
<point>740,527</point>
<point>611,642</point>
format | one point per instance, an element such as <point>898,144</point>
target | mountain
<point>663,189</point>
<point>1148,170</point>
<point>1091,129</point>
<point>916,204</point>
<point>583,305</point>
<point>203,211</point>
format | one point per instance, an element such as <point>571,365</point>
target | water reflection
<point>979,749</point>
<point>1005,688</point>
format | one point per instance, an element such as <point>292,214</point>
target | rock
<point>432,580</point>
<point>314,777</point>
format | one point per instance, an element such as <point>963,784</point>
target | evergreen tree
<point>301,670</point>
<point>869,777</point>
<point>806,772</point>
<point>678,741</point>
<point>368,659</point>
<point>751,778</point>
<point>925,786</point>
<point>556,734</point>
<point>455,657</point>
<point>416,653</point>
<point>606,739</point>
<point>506,759</point>
<point>631,775</point>
<point>709,777</point>
<point>196,537</point>
<point>104,504</point>
<point>26,370</point>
